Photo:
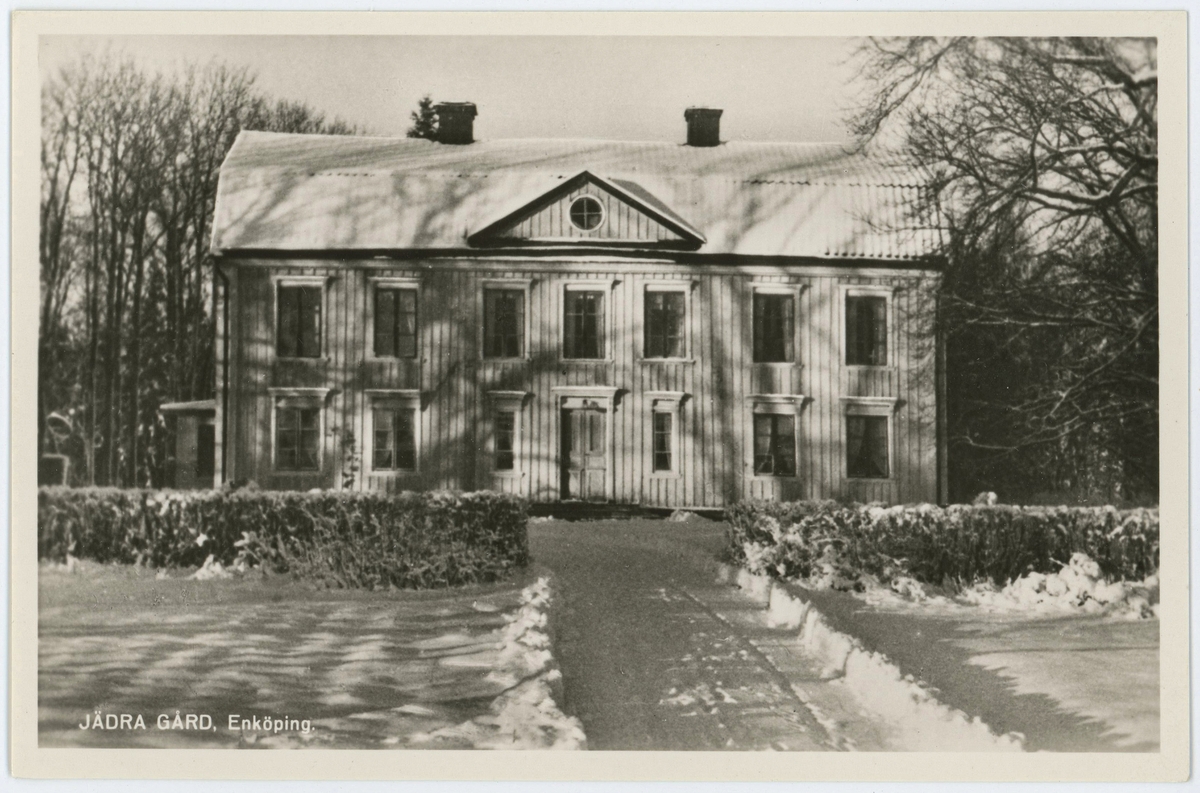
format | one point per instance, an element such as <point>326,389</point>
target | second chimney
<point>456,122</point>
<point>703,126</point>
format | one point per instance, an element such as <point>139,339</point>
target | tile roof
<point>317,192</point>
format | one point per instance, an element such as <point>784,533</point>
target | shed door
<point>584,435</point>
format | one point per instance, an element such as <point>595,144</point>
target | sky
<point>631,88</point>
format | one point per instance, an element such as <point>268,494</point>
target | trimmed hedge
<point>951,546</point>
<point>411,540</point>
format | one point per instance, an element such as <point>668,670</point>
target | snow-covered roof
<point>282,192</point>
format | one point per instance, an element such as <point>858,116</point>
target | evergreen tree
<point>424,120</point>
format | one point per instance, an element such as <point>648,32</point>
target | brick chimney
<point>704,126</point>
<point>456,122</point>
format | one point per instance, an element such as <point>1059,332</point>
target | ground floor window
<point>506,437</point>
<point>297,438</point>
<point>867,447</point>
<point>775,444</point>
<point>664,437</point>
<point>395,440</point>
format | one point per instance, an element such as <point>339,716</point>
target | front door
<point>584,436</point>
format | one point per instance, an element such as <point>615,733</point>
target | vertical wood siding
<point>718,377</point>
<point>623,221</point>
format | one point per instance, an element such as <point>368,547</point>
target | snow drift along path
<point>911,716</point>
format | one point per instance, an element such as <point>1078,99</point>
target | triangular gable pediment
<point>630,215</point>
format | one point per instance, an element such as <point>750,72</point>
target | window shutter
<point>310,321</point>
<point>385,323</point>
<point>287,323</point>
<point>598,310</point>
<point>853,354</point>
<point>759,306</point>
<point>789,327</point>
<point>855,437</point>
<point>570,318</point>
<point>879,322</point>
<point>518,299</point>
<point>406,323</point>
<point>785,445</point>
<point>878,446</point>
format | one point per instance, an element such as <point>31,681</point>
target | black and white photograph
<point>719,393</point>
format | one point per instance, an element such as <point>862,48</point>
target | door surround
<point>573,397</point>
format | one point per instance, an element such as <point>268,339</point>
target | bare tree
<point>129,174</point>
<point>1044,161</point>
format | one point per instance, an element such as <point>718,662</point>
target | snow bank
<point>525,715</point>
<point>918,720</point>
<point>1078,586</point>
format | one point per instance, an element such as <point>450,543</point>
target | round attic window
<point>586,213</point>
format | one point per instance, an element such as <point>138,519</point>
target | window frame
<point>686,288</point>
<point>887,292</point>
<point>777,405</point>
<point>604,287</point>
<point>599,224</point>
<point>671,403</point>
<point>503,284</point>
<point>506,402</point>
<point>302,398</point>
<point>391,399</point>
<point>389,283</point>
<point>877,407</point>
<point>283,281</point>
<point>792,290</point>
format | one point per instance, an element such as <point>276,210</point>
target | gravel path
<point>654,653</point>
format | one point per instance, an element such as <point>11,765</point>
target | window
<point>664,441</point>
<point>297,438</point>
<point>506,437</point>
<point>866,330</point>
<point>867,447</point>
<point>503,323</point>
<point>395,323</point>
<point>583,325</point>
<point>774,327</point>
<point>395,439</point>
<point>664,321</point>
<point>775,444</point>
<point>586,213</point>
<point>298,327</point>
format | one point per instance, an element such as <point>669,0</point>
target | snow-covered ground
<point>525,715</point>
<point>901,708</point>
<point>1052,662</point>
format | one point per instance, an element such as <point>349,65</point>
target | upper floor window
<point>395,323</point>
<point>665,315</point>
<point>503,323</point>
<point>298,326</point>
<point>774,327</point>
<point>583,324</point>
<point>866,330</point>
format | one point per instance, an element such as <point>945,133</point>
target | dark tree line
<point>1043,156</point>
<point>129,176</point>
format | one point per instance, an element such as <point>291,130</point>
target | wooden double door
<point>584,453</point>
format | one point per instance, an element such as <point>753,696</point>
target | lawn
<point>363,669</point>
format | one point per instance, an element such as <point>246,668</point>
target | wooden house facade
<point>650,323</point>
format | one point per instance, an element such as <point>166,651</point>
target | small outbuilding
<point>193,455</point>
